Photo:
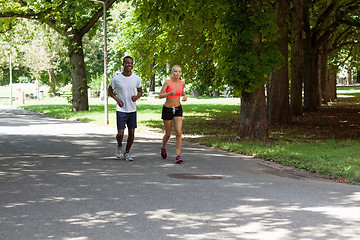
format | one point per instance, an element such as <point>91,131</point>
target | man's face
<point>128,64</point>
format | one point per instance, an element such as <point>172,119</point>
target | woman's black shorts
<point>170,113</point>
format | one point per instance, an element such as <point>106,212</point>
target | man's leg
<point>132,124</point>
<point>120,121</point>
<point>119,137</point>
<point>130,140</point>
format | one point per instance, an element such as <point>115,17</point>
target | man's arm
<point>138,95</point>
<point>112,94</point>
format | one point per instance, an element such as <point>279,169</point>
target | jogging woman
<point>172,90</point>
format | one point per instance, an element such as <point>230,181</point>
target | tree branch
<point>343,35</point>
<point>326,14</point>
<point>350,23</point>
<point>96,17</point>
<point>338,47</point>
<point>22,3</point>
<point>349,55</point>
<point>8,29</point>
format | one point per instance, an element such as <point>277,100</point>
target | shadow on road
<point>60,180</point>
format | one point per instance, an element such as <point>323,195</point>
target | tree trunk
<point>311,65</point>
<point>253,122</point>
<point>318,83</point>
<point>297,57</point>
<point>78,74</point>
<point>324,76</point>
<point>51,73</point>
<point>332,82</point>
<point>349,75</point>
<point>311,77</point>
<point>278,88</point>
<point>152,80</point>
<point>152,83</point>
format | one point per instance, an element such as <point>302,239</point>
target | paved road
<point>59,180</point>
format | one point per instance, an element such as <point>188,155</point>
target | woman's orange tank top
<point>178,91</point>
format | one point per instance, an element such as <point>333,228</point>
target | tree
<point>321,20</point>
<point>235,38</point>
<point>250,56</point>
<point>39,48</point>
<point>278,87</point>
<point>297,57</point>
<point>343,50</point>
<point>71,19</point>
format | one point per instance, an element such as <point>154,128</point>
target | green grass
<point>214,122</point>
<point>338,159</point>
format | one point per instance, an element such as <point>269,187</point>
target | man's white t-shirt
<point>125,88</point>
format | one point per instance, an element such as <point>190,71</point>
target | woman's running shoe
<point>178,159</point>
<point>163,153</point>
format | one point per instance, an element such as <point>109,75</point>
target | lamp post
<point>106,107</point>
<point>11,95</point>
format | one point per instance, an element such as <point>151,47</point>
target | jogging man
<point>125,84</point>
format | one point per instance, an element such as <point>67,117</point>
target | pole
<point>106,107</point>
<point>11,97</point>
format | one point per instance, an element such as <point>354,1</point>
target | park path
<point>59,180</point>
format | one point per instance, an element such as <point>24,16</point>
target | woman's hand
<point>184,98</point>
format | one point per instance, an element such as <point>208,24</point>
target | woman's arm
<point>163,93</point>
<point>183,92</point>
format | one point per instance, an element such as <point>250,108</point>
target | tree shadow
<point>63,182</point>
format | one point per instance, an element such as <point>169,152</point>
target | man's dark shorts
<point>170,113</point>
<point>123,118</point>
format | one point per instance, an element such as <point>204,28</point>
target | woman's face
<point>177,72</point>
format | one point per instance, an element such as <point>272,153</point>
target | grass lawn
<point>214,122</point>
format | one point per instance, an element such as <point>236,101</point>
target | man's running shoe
<point>163,153</point>
<point>178,159</point>
<point>127,157</point>
<point>119,152</point>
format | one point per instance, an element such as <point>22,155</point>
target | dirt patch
<point>338,122</point>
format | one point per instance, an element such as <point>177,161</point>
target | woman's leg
<point>168,126</point>
<point>178,126</point>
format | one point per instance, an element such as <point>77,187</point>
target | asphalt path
<point>60,180</point>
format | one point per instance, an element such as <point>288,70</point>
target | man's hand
<point>134,98</point>
<point>121,103</point>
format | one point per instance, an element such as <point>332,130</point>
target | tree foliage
<point>213,37</point>
<point>71,19</point>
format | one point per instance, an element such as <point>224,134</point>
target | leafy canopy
<point>205,35</point>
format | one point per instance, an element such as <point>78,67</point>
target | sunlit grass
<point>340,159</point>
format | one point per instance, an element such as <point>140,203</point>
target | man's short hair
<point>126,58</point>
